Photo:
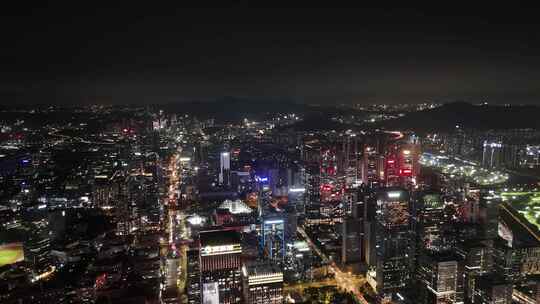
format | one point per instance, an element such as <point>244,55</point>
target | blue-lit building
<point>273,237</point>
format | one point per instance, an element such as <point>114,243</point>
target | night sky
<point>139,54</point>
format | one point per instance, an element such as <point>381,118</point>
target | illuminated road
<point>520,221</point>
<point>399,135</point>
<point>315,284</point>
<point>178,231</point>
<point>347,281</point>
<point>171,229</point>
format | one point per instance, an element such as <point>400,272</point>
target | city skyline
<point>244,155</point>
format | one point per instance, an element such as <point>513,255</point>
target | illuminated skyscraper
<point>273,237</point>
<point>401,165</point>
<point>439,277</point>
<point>498,154</point>
<point>313,183</point>
<point>351,161</point>
<point>391,244</point>
<point>409,168</point>
<point>491,156</point>
<point>37,246</point>
<point>220,261</point>
<point>476,260</point>
<point>262,283</point>
<point>224,168</point>
<point>432,227</point>
<point>372,166</point>
<point>352,240</point>
<point>492,289</point>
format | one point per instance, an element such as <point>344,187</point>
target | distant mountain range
<point>467,116</point>
<point>234,109</point>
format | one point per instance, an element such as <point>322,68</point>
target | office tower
<point>372,166</point>
<point>291,225</point>
<point>37,246</point>
<point>224,168</point>
<point>401,165</point>
<point>297,197</point>
<point>123,208</point>
<point>391,249</point>
<point>273,237</point>
<point>298,262</point>
<point>351,162</point>
<point>439,278</point>
<point>351,247</point>
<point>328,162</point>
<point>392,166</point>
<point>220,260</point>
<point>492,289</point>
<point>491,155</point>
<point>476,260</point>
<point>313,183</point>
<point>262,283</point>
<point>433,227</point>
<point>273,179</point>
<point>409,168</point>
<point>496,154</point>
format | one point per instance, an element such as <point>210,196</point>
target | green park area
<point>10,254</point>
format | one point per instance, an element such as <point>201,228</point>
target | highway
<point>344,280</point>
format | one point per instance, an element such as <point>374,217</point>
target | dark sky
<point>141,54</point>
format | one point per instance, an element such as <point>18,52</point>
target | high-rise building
<point>492,289</point>
<point>497,154</point>
<point>476,260</point>
<point>391,244</point>
<point>401,165</point>
<point>433,227</point>
<point>220,261</point>
<point>491,155</point>
<point>297,198</point>
<point>352,235</point>
<point>262,283</point>
<point>372,166</point>
<point>224,168</point>
<point>313,183</point>
<point>37,246</point>
<point>409,168</point>
<point>439,278</point>
<point>351,161</point>
<point>392,166</point>
<point>273,237</point>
